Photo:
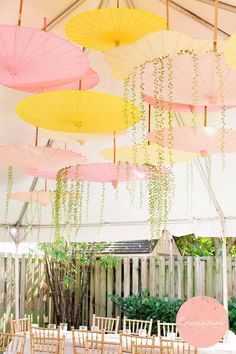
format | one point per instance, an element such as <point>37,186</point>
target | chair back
<point>163,328</point>
<point>12,343</point>
<point>20,326</point>
<point>103,347</point>
<point>107,324</point>
<point>135,325</point>
<point>180,347</point>
<point>152,349</point>
<point>128,340</point>
<point>79,338</point>
<point>45,340</point>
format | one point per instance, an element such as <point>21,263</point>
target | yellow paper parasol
<point>104,29</point>
<point>230,51</point>
<point>78,112</point>
<point>145,153</point>
<point>124,60</point>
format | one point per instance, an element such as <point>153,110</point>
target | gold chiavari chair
<point>180,347</point>
<point>127,340</point>
<point>152,349</point>
<point>12,343</point>
<point>45,340</point>
<point>103,347</point>
<point>20,326</point>
<point>79,338</point>
<point>163,328</point>
<point>108,324</point>
<point>135,325</point>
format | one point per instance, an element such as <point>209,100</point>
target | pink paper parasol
<point>33,159</point>
<point>182,108</point>
<point>38,197</point>
<point>215,81</point>
<point>105,173</point>
<point>86,82</point>
<point>203,140</point>
<point>33,58</point>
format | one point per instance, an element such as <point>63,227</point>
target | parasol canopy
<point>33,158</point>
<point>105,28</point>
<point>86,82</point>
<point>215,85</point>
<point>30,57</point>
<point>78,112</point>
<point>107,172</point>
<point>144,153</point>
<point>181,107</point>
<point>230,51</point>
<point>201,140</point>
<point>124,60</point>
<point>38,197</point>
<point>74,137</point>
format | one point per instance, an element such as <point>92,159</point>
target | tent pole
<point>17,274</point>
<point>225,275</point>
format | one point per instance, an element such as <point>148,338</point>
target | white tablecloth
<point>220,348</point>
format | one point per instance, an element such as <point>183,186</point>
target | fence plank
<point>126,276</point>
<point>97,275</point>
<point>180,277</point>
<point>162,274</point>
<point>110,282</point>
<point>118,284</point>
<point>135,275</point>
<point>189,277</point>
<point>152,276</point>
<point>8,290</point>
<point>22,286</point>
<point>2,292</point>
<point>144,273</point>
<point>103,292</point>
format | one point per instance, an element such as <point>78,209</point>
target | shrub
<point>232,314</point>
<point>141,306</point>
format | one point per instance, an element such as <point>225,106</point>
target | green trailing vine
<point>195,87</point>
<point>219,73</point>
<point>103,192</point>
<point>10,180</point>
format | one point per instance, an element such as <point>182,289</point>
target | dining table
<point>219,348</point>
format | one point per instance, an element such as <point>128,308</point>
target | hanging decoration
<point>86,82</point>
<point>201,140</point>
<point>78,112</point>
<point>75,137</point>
<point>126,60</point>
<point>42,197</point>
<point>35,158</point>
<point>10,178</point>
<point>146,154</point>
<point>184,108</point>
<point>31,58</point>
<point>230,51</point>
<point>103,29</point>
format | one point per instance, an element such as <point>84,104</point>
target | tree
<point>191,245</point>
<point>68,270</point>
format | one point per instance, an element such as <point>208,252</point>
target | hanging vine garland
<point>103,192</point>
<point>10,179</point>
<point>219,74</point>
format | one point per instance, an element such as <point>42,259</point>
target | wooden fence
<point>181,278</point>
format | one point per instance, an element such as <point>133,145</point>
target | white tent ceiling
<point>122,220</point>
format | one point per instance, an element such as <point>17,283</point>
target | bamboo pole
<point>20,13</point>
<point>205,116</point>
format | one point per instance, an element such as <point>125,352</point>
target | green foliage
<point>145,307</point>
<point>232,314</point>
<point>191,245</point>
